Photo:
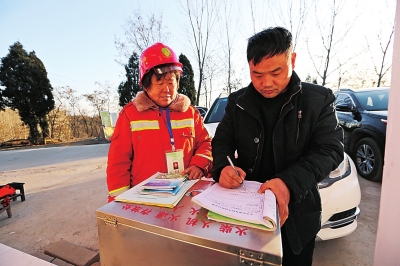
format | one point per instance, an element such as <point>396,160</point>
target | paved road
<point>54,175</point>
<point>64,186</point>
<point>32,157</point>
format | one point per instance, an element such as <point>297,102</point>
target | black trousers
<point>291,259</point>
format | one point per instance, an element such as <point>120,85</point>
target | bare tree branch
<point>293,15</point>
<point>140,32</point>
<point>384,66</point>
<point>332,40</point>
<point>201,31</point>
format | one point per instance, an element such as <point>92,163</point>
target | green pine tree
<point>3,104</point>
<point>26,88</point>
<point>186,84</point>
<point>310,79</point>
<point>128,89</point>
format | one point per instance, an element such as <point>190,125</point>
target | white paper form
<point>238,203</point>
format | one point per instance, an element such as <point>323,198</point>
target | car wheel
<point>368,159</point>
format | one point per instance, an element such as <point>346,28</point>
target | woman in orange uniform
<point>159,130</point>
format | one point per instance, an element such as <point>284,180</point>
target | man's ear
<point>293,59</point>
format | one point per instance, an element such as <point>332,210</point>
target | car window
<point>374,100</point>
<point>216,111</point>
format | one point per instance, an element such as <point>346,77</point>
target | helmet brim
<point>168,68</point>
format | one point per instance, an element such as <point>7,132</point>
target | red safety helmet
<point>155,55</point>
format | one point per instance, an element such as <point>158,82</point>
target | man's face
<point>163,91</point>
<point>271,76</point>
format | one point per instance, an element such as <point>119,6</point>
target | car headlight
<point>343,171</point>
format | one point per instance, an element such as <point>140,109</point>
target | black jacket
<point>307,146</point>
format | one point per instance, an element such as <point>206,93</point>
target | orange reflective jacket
<point>141,139</point>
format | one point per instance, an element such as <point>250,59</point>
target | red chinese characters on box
<point>200,220</point>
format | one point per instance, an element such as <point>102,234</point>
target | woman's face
<point>163,91</point>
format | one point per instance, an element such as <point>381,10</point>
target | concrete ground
<point>62,199</point>
<point>358,247</point>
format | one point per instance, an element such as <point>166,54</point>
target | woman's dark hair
<point>146,81</point>
<point>268,43</point>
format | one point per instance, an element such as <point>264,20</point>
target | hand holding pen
<point>237,173</point>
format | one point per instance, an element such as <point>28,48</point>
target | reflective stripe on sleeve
<point>118,191</point>
<point>204,156</point>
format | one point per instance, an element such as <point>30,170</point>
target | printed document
<point>243,205</point>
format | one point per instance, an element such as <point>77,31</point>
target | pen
<point>230,162</point>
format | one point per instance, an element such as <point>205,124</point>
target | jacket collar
<point>144,103</point>
<point>294,84</point>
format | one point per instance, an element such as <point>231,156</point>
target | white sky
<point>75,39</point>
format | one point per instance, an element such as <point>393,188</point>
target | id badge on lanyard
<point>174,158</point>
<point>174,161</point>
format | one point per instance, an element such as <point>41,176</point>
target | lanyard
<point>168,124</point>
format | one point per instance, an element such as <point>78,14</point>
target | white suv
<point>340,191</point>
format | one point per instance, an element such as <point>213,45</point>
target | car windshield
<point>374,100</point>
<point>217,111</point>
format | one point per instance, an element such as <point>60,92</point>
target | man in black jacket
<point>286,136</point>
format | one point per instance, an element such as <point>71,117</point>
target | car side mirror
<point>345,107</point>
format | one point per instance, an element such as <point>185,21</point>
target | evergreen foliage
<point>2,101</point>
<point>26,88</point>
<point>128,89</point>
<point>310,79</point>
<point>186,84</point>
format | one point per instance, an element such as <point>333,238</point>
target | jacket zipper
<point>298,125</point>
<point>299,114</point>
<point>291,96</point>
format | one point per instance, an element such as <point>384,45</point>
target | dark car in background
<point>362,113</point>
<point>202,110</point>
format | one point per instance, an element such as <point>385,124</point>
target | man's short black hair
<point>268,43</point>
